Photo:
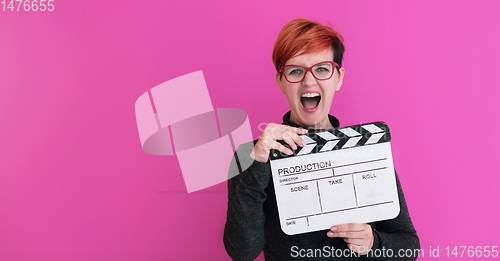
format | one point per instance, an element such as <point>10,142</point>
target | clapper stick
<point>345,175</point>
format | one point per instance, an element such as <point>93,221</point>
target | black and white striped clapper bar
<point>341,176</point>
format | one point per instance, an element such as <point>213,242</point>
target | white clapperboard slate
<point>341,176</point>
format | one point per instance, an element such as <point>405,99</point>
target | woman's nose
<point>309,79</point>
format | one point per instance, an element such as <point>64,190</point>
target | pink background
<point>76,185</point>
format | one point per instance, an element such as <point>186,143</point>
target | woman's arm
<point>244,236</point>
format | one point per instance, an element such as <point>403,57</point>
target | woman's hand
<point>268,141</point>
<point>359,237</point>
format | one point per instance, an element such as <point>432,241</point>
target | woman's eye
<point>322,69</point>
<point>295,71</point>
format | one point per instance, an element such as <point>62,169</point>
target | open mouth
<point>310,100</point>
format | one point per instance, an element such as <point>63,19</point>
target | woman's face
<point>311,99</point>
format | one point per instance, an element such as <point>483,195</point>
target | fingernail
<point>290,152</point>
<point>294,147</point>
<point>333,229</point>
<point>303,143</point>
<point>330,234</point>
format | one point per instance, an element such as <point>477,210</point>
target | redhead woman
<point>308,60</point>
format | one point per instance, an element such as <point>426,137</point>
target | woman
<point>308,61</point>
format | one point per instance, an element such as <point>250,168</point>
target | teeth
<point>310,94</point>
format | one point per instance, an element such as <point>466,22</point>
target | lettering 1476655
<point>28,5</point>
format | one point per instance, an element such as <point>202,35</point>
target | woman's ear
<point>278,81</point>
<point>341,78</point>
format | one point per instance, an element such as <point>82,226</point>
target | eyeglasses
<point>320,71</point>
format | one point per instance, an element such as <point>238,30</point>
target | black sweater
<point>253,224</point>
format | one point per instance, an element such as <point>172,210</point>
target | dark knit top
<point>253,225</point>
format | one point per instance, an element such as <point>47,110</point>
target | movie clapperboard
<point>341,176</point>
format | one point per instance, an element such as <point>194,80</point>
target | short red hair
<point>302,33</point>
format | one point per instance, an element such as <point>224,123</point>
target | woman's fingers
<point>291,137</point>
<point>297,139</point>
<point>362,250</point>
<point>280,147</point>
<point>290,142</point>
<point>354,241</point>
<point>298,130</point>
<point>274,132</point>
<point>359,237</point>
<point>349,234</point>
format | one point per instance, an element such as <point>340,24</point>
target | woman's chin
<point>312,122</point>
